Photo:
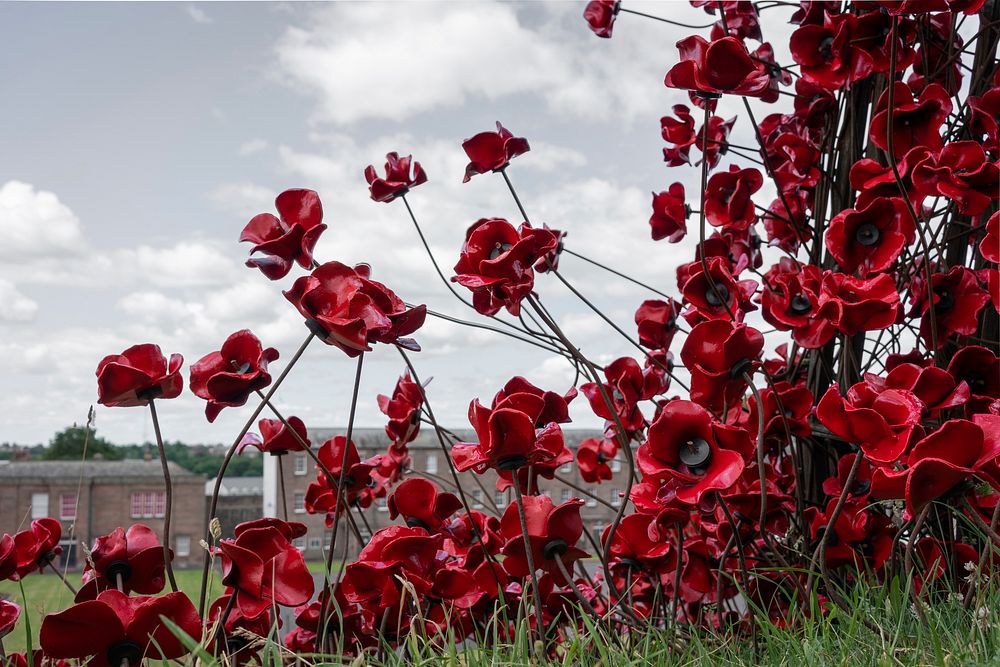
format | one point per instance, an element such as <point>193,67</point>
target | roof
<point>237,486</point>
<point>91,469</point>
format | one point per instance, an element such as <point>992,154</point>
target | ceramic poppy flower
<point>716,295</point>
<point>713,139</point>
<point>874,35</point>
<point>727,197</point>
<point>785,220</point>
<point>226,378</point>
<point>741,21</point>
<point>348,310</point>
<point>289,237</point>
<point>398,178</point>
<point>853,304</point>
<point>237,634</point>
<point>827,54</point>
<point>322,496</point>
<point>9,613</point>
<point>915,121</point>
<point>600,16</point>
<point>813,103</point>
<point>861,486</point>
<point>793,159</point>
<point>716,67</point>
<point>555,407</point>
<point>550,260</point>
<point>978,367</point>
<point>958,298</point>
<point>275,438</point>
<point>935,387</point>
<point>790,300</point>
<point>859,537</point>
<point>138,374</point>
<point>670,214</point>
<point>764,57</point>
<point>117,629</point>
<point>263,568</point>
<point>786,408</point>
<point>637,545</point>
<point>687,444</point>
<point>983,121</point>
<point>678,130</point>
<point>719,354</point>
<point>989,247</point>
<point>593,456</point>
<point>496,263</point>
<point>131,562</point>
<point>883,423</point>
<point>937,556</point>
<point>8,557</point>
<point>395,554</point>
<point>528,477</point>
<point>935,62</point>
<point>403,410</point>
<point>492,151</point>
<point>870,239</point>
<point>508,437</point>
<point>422,505</point>
<point>657,323</point>
<point>627,384</point>
<point>940,461</point>
<point>36,547</point>
<point>354,624</point>
<point>873,180</point>
<point>553,531</point>
<point>961,172</point>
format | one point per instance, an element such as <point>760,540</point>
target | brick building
<point>240,499</point>
<point>93,498</point>
<point>426,456</point>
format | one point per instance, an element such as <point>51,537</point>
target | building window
<point>382,505</point>
<point>315,543</point>
<point>365,535</point>
<point>39,505</point>
<point>564,495</point>
<point>477,498</point>
<point>148,504</point>
<point>67,507</point>
<point>566,467</point>
<point>501,498</point>
<point>596,530</point>
<point>616,497</point>
<point>591,502</point>
<point>299,543</point>
<point>616,465</point>
<point>299,503</point>
<point>301,465</point>
<point>432,463</point>
<point>182,546</point>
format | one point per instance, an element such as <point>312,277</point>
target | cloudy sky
<point>140,138</point>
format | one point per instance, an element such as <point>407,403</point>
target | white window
<point>477,498</point>
<point>432,463</point>
<point>301,465</point>
<point>500,497</point>
<point>616,498</point>
<point>67,506</point>
<point>299,543</point>
<point>148,504</point>
<point>382,505</point>
<point>566,467</point>
<point>591,502</point>
<point>182,546</point>
<point>315,543</point>
<point>616,465</point>
<point>564,495</point>
<point>299,503</point>
<point>39,505</point>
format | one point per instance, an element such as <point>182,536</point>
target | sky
<point>140,138</point>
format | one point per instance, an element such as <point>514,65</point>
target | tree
<point>69,444</point>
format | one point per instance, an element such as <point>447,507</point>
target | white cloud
<point>35,224</point>
<point>253,146</point>
<point>198,15</point>
<point>15,306</point>
<point>243,199</point>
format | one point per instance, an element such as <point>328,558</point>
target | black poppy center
<point>832,540</point>
<point>695,453</point>
<point>867,234</point>
<point>554,549</point>
<point>826,48</point>
<point>946,300</point>
<point>149,393</point>
<point>128,652</point>
<point>414,522</point>
<point>716,295</point>
<point>316,328</point>
<point>741,368</point>
<point>499,249</point>
<point>861,487</point>
<point>800,304</point>
<point>118,568</point>
<point>601,458</point>
<point>631,563</point>
<point>512,462</point>
<point>975,380</point>
<point>278,452</point>
<point>235,644</point>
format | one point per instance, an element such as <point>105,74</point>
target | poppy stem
<point>530,558</point>
<point>119,584</point>
<point>563,480</point>
<point>281,486</point>
<point>167,555</point>
<point>663,20</point>
<point>584,602</point>
<point>517,200</point>
<point>220,632</point>
<point>617,273</point>
<point>677,579</point>
<point>911,542</point>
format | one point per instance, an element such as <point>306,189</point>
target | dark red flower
<point>978,367</point>
<point>131,562</point>
<point>716,67</point>
<point>348,310</point>
<point>288,238</point>
<point>813,103</point>
<point>860,537</point>
<point>861,486</point>
<point>403,410</point>
<point>713,139</point>
<point>670,213</point>
<point>727,197</point>
<point>915,122</point>
<point>36,547</point>
<point>116,629</point>
<point>873,180</point>
<point>657,323</point>
<point>240,648</point>
<point>553,532</point>
<point>868,240</point>
<point>828,55</point>
<point>600,16</point>
<point>989,247</point>
<point>874,35</point>
<point>397,181</point>
<point>935,58</point>
<point>228,377</point>
<point>716,295</point>
<point>678,131</point>
<point>138,374</point>
<point>491,151</point>
<point>935,387</point>
<point>322,496</point>
<point>423,505</point>
<point>984,121</point>
<point>496,263</point>
<point>550,260</point>
<point>8,557</point>
<point>637,545</point>
<point>555,408</point>
<point>627,384</point>
<point>263,567</point>
<point>854,304</point>
<point>592,458</point>
<point>9,613</point>
<point>275,438</point>
<point>958,298</point>
<point>962,173</point>
<point>719,354</point>
<point>882,423</point>
<point>787,409</point>
<point>793,161</point>
<point>790,300</point>
<point>786,220</point>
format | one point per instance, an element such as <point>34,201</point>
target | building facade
<point>92,498</point>
<point>241,499</point>
<point>427,457</point>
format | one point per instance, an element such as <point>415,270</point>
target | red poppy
<point>492,151</point>
<point>790,300</point>
<point>138,374</point>
<point>593,456</point>
<point>716,67</point>
<point>827,53</point>
<point>978,367</point>
<point>670,213</point>
<point>882,423</point>
<point>813,103</point>
<point>348,310</point>
<point>915,122</point>
<point>958,298</point>
<point>716,295</point>
<point>131,562</point>
<point>240,647</point>
<point>288,238</point>
<point>322,496</point>
<point>868,240</point>
<point>786,220</point>
<point>935,60</point>
<point>637,545</point>
<point>793,161</point>
<point>275,438</point>
<point>496,263</point>
<point>741,20</point>
<point>989,247</point>
<point>939,462</point>
<point>719,354</point>
<point>228,377</point>
<point>764,57</point>
<point>861,486</point>
<point>935,387</point>
<point>600,16</point>
<point>555,408</point>
<point>713,139</point>
<point>874,180</point>
<point>627,384</point>
<point>874,35</point>
<point>553,531</point>
<point>263,568</point>
<point>397,181</point>
<point>678,131</point>
<point>403,410</point>
<point>117,629</point>
<point>962,173</point>
<point>36,547</point>
<point>853,305</point>
<point>8,557</point>
<point>657,323</point>
<point>787,409</point>
<point>9,613</point>
<point>983,121</point>
<point>938,558</point>
<point>528,476</point>
<point>685,443</point>
<point>859,537</point>
<point>727,197</point>
<point>423,505</point>
<point>352,623</point>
